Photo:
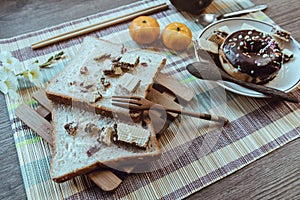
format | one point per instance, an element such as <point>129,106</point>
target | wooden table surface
<point>275,176</point>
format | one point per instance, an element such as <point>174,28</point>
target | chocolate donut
<point>251,56</point>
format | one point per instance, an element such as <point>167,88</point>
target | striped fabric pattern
<point>196,153</point>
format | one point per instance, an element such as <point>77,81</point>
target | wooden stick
<point>100,25</point>
<point>105,179</point>
<point>181,91</point>
<point>37,123</point>
<point>41,97</point>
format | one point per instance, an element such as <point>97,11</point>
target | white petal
<point>35,75</point>
<point>38,80</point>
<point>12,82</point>
<point>30,77</point>
<point>16,65</point>
<point>3,74</point>
<point>12,64</point>
<point>3,87</point>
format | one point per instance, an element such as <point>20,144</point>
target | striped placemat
<point>196,153</point>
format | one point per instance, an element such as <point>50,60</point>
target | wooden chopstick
<point>100,25</point>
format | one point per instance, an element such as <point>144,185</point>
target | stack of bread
<point>88,131</point>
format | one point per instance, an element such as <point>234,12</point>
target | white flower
<point>8,82</point>
<point>34,74</point>
<point>9,62</point>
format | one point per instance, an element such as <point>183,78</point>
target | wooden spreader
<point>165,91</point>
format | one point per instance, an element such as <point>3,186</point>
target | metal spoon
<point>209,71</point>
<point>206,19</point>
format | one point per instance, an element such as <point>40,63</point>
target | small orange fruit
<point>177,36</point>
<point>144,29</point>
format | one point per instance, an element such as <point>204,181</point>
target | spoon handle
<point>244,11</point>
<point>209,71</point>
<point>272,92</point>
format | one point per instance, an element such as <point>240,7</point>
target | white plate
<point>288,77</point>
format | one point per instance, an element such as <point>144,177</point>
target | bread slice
<point>85,141</point>
<point>95,75</point>
<point>88,131</point>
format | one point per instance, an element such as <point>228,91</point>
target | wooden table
<point>276,175</point>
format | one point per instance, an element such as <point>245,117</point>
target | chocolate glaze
<point>254,53</point>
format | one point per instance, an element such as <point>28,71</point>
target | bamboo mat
<point>196,153</point>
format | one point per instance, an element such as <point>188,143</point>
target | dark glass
<point>192,6</point>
